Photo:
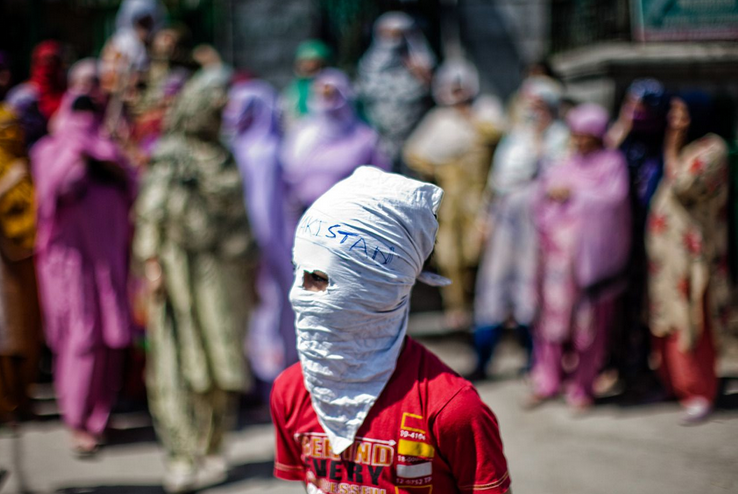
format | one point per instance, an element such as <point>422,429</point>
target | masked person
<point>193,236</point>
<point>368,408</point>
<point>582,215</point>
<point>639,134</point>
<point>687,245</point>
<point>84,190</point>
<point>311,57</point>
<point>328,146</point>
<point>251,122</point>
<point>506,281</point>
<point>394,77</point>
<point>452,146</point>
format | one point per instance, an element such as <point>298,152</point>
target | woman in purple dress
<point>84,192</point>
<point>582,216</point>
<point>250,121</point>
<point>328,146</point>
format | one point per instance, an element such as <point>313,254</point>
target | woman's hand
<point>154,276</point>
<point>677,126</point>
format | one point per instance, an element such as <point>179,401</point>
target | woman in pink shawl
<point>84,193</point>
<point>583,220</point>
<point>328,146</point>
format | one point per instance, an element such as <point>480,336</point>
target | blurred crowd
<point>152,195</point>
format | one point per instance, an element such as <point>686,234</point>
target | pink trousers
<point>87,386</point>
<point>588,354</point>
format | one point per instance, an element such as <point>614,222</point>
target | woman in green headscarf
<point>311,57</point>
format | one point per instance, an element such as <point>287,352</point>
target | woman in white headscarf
<point>394,79</point>
<point>135,24</point>
<point>368,408</point>
<point>506,282</point>
<point>453,147</point>
<point>125,56</point>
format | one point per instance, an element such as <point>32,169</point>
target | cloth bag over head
<point>370,234</point>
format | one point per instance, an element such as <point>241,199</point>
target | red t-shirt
<point>428,433</point>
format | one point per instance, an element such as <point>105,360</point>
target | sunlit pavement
<point>611,449</point>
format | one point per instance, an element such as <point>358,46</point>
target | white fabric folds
<point>370,234</point>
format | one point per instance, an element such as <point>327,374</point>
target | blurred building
<point>600,46</point>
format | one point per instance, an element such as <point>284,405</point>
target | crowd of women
<point>158,188</point>
<point>607,246</point>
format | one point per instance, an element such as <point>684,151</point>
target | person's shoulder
<point>450,396</point>
<point>290,378</point>
<point>714,143</point>
<point>710,148</point>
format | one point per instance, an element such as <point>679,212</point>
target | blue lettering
<point>347,235</point>
<point>360,241</point>
<point>386,258</point>
<point>309,222</point>
<point>330,231</point>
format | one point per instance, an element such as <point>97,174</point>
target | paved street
<point>640,450</point>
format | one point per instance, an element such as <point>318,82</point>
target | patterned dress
<point>191,217</point>
<point>687,242</point>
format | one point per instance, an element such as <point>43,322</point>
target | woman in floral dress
<point>687,242</point>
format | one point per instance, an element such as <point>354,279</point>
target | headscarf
<point>651,120</point>
<point>370,234</point>
<point>336,116</point>
<point>132,11</point>
<point>251,111</point>
<point>588,119</point>
<point>313,49</point>
<point>543,88</point>
<point>47,76</point>
<point>451,75</point>
<point>385,54</point>
<point>125,39</point>
<point>83,79</point>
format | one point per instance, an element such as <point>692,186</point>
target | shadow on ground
<point>239,473</point>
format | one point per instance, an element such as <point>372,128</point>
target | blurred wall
<point>502,37</point>
<point>265,34</point>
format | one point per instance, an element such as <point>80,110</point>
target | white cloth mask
<point>370,234</point>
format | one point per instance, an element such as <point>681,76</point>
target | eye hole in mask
<point>317,281</point>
